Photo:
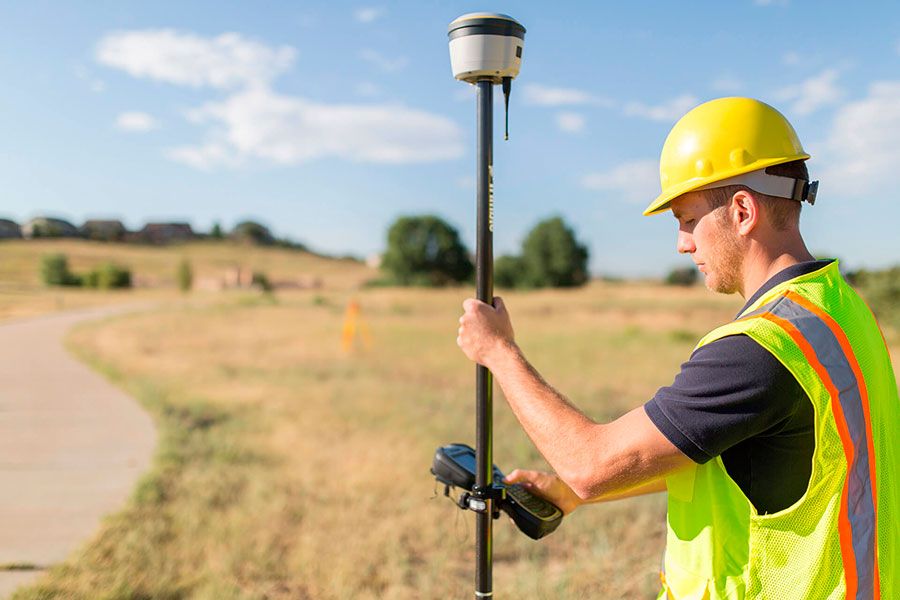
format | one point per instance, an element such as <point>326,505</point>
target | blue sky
<point>327,120</point>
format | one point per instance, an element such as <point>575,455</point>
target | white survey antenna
<point>485,46</point>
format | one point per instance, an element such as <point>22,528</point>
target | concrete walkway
<point>71,446</point>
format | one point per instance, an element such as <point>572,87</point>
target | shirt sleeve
<point>728,391</point>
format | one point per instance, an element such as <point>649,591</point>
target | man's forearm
<point>569,440</point>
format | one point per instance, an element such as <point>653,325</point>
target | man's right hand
<point>548,486</point>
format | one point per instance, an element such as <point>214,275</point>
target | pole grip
<point>484,284</point>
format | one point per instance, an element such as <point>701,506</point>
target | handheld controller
<point>454,465</point>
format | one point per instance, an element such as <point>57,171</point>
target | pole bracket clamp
<point>477,499</point>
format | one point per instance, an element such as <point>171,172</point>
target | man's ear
<point>744,212</point>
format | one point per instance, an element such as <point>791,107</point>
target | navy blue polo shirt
<point>735,399</point>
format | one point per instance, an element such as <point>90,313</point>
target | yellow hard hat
<point>721,139</point>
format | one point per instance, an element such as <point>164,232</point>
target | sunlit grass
<point>154,271</point>
<point>289,469</point>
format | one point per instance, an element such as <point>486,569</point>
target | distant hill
<point>156,266</point>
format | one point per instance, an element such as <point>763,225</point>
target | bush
<point>107,276</point>
<point>552,257</point>
<point>184,276</point>
<point>55,271</point>
<point>261,280</point>
<point>686,276</point>
<point>425,250</point>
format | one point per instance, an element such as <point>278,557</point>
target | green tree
<point>425,250</point>
<point>508,272</point>
<point>252,232</point>
<point>216,232</point>
<point>552,257</point>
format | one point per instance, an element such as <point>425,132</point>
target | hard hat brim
<point>663,202</point>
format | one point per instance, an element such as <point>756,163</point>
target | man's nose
<point>685,243</point>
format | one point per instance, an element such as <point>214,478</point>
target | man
<point>774,442</point>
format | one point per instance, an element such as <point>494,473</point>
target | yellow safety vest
<point>841,539</point>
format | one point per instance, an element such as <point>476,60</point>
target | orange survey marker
<point>354,328</point>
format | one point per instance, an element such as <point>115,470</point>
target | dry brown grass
<point>290,470</point>
<point>154,268</point>
<point>287,469</point>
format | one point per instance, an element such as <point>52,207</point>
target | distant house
<point>48,227</point>
<point>9,229</point>
<point>162,233</point>
<point>103,230</point>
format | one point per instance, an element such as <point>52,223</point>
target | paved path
<point>71,445</point>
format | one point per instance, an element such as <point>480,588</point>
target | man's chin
<point>717,285</point>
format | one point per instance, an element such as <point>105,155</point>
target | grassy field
<point>153,269</point>
<point>290,469</point>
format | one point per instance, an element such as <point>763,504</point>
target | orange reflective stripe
<point>864,397</point>
<point>844,531</point>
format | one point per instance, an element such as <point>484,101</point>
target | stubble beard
<point>726,267</point>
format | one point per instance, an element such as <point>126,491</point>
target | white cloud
<point>861,154</point>
<point>668,111</point>
<point>542,95</point>
<point>636,181</point>
<point>136,122</point>
<point>570,122</point>
<point>260,124</point>
<point>226,61</point>
<point>727,84</point>
<point>368,14</point>
<point>389,65</point>
<point>256,123</point>
<point>812,94</point>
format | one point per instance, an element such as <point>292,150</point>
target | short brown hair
<point>783,212</point>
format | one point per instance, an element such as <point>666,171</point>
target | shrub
<point>425,250</point>
<point>107,276</point>
<point>261,280</point>
<point>55,271</point>
<point>686,276</point>
<point>184,275</point>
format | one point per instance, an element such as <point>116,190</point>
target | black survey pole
<point>484,286</point>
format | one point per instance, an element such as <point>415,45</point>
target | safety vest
<point>841,539</point>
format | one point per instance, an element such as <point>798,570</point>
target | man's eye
<point>688,221</point>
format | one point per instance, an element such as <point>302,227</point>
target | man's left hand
<point>485,331</point>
